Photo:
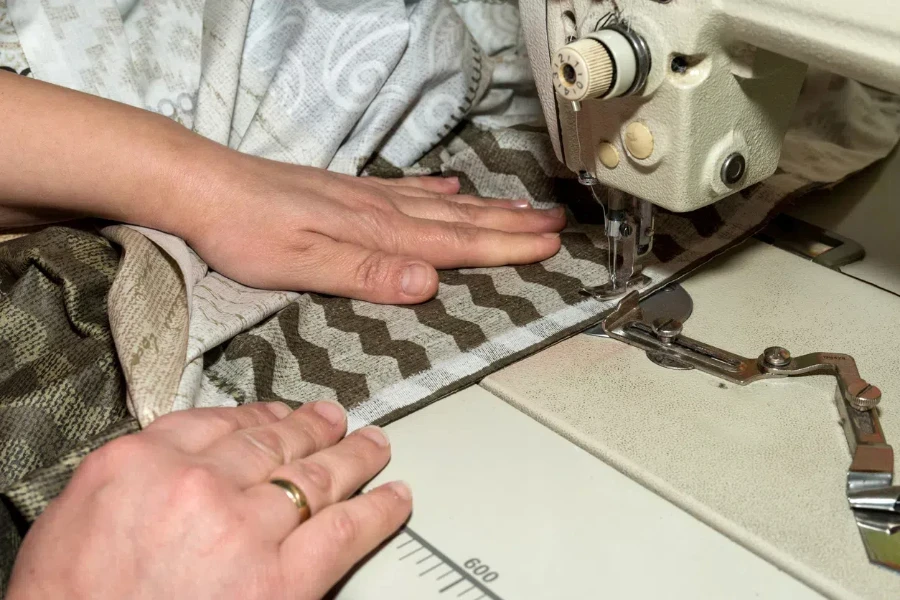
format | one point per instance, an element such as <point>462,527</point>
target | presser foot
<point>873,499</point>
<point>670,303</point>
<point>608,291</point>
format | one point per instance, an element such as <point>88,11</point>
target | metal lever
<point>875,503</point>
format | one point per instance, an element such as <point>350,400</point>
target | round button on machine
<point>638,140</point>
<point>608,155</point>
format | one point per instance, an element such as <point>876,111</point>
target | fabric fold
<point>379,87</point>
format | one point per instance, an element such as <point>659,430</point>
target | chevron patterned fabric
<point>382,362</point>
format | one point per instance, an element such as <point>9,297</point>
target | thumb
<point>351,271</point>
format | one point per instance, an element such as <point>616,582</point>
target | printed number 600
<point>481,570</point>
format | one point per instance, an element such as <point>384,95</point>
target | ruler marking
<point>419,562</point>
<point>452,584</point>
<point>480,597</point>
<point>470,588</point>
<point>485,592</point>
<point>409,541</point>
<point>430,569</point>
<point>413,552</point>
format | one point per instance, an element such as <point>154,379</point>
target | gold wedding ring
<point>296,495</point>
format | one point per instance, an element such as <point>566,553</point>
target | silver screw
<point>776,356</point>
<point>866,398</point>
<point>667,330</point>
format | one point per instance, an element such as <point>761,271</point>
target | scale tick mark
<point>430,569</point>
<point>451,585</point>
<point>413,552</point>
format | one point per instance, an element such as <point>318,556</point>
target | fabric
<point>272,79</point>
<point>418,87</point>
<point>148,316</point>
<point>384,361</point>
<point>12,57</point>
<point>60,386</point>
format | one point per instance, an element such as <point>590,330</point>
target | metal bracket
<point>876,505</point>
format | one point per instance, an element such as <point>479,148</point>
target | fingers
<point>325,477</point>
<point>453,245</point>
<point>348,270</point>
<point>497,202</point>
<point>485,216</point>
<point>248,456</point>
<point>439,185</point>
<point>193,430</point>
<point>330,543</point>
<point>412,192</point>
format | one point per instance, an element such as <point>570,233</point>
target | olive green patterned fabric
<point>61,389</point>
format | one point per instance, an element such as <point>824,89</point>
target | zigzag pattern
<point>433,314</point>
<point>315,365</point>
<point>435,351</point>
<point>262,358</point>
<point>373,335</point>
<point>484,293</point>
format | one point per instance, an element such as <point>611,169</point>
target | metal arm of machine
<point>875,503</point>
<point>861,41</point>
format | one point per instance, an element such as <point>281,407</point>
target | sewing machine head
<point>682,103</point>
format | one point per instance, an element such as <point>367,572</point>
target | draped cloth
<point>371,87</point>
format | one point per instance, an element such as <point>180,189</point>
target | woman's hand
<point>279,226</point>
<point>263,223</point>
<point>184,509</point>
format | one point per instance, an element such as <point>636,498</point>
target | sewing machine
<point>679,104</point>
<point>675,450</point>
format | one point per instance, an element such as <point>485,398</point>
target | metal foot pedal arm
<point>875,504</point>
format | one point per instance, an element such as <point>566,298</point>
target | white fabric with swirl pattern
<point>327,83</point>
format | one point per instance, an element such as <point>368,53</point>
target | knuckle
<point>128,449</point>
<point>384,507</point>
<point>194,490</point>
<point>216,421</point>
<point>167,420</point>
<point>194,483</point>
<point>318,476</point>
<point>464,212</point>
<point>265,412</point>
<point>345,527</point>
<point>275,409</point>
<point>266,442</point>
<point>373,272</point>
<point>464,235</point>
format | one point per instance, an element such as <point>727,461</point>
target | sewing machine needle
<point>613,256</point>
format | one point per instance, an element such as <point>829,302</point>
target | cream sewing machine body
<point>679,104</point>
<point>591,470</point>
<point>683,103</point>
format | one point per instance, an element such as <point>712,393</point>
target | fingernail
<point>415,279</point>
<point>551,236</point>
<point>331,411</point>
<point>401,490</point>
<point>558,211</point>
<point>520,204</point>
<point>453,179</point>
<point>375,434</point>
<point>279,409</point>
